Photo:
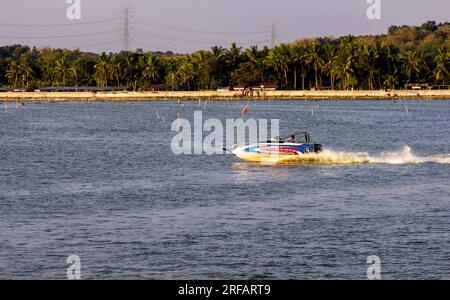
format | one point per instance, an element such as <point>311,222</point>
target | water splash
<point>332,157</point>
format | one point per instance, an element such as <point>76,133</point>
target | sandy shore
<point>222,95</point>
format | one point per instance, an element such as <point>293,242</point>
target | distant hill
<point>425,37</point>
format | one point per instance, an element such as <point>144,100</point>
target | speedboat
<point>278,148</point>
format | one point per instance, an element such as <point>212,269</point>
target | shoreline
<point>226,95</point>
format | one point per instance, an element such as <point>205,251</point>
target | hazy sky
<point>187,25</point>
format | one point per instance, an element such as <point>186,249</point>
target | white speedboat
<point>295,144</point>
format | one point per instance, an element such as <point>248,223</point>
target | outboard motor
<point>318,148</point>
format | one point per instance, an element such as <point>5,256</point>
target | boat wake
<point>332,157</point>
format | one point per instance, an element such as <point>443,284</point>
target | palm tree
<point>128,68</point>
<point>280,59</point>
<point>203,63</point>
<point>345,71</point>
<point>13,74</point>
<point>186,74</point>
<point>389,65</point>
<point>298,57</point>
<point>412,64</point>
<point>115,69</point>
<point>101,70</point>
<point>217,57</point>
<point>314,58</point>
<point>46,61</point>
<point>345,66</point>
<point>85,69</point>
<point>330,63</point>
<point>442,60</point>
<point>62,70</point>
<point>391,81</point>
<point>74,72</point>
<point>368,62</point>
<point>347,45</point>
<point>150,71</point>
<point>233,58</point>
<point>254,63</point>
<point>26,71</point>
<point>252,55</point>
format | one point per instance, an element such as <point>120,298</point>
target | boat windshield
<point>299,138</point>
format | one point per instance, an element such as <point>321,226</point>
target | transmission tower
<point>273,35</point>
<point>126,39</point>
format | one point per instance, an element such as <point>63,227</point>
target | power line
<point>126,38</point>
<point>288,36</point>
<point>190,30</point>
<point>59,25</point>
<point>169,38</point>
<point>57,36</point>
<point>95,45</point>
<point>175,39</point>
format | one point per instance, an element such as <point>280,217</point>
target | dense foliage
<point>406,54</point>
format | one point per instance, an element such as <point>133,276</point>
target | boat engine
<point>318,148</point>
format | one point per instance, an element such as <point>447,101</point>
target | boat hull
<point>267,152</point>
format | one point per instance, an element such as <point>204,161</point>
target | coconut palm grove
<point>406,54</point>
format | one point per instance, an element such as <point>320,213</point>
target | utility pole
<point>126,40</point>
<point>273,35</point>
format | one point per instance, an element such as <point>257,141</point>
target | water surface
<point>99,180</point>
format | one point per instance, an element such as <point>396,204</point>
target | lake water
<point>99,180</point>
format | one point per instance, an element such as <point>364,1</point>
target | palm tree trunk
<point>303,77</point>
<point>295,77</point>
<point>286,78</point>
<point>316,77</point>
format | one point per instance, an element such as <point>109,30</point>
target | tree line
<point>407,54</point>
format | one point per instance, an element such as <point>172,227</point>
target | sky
<point>187,25</point>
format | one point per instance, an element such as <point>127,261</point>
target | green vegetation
<point>406,54</point>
